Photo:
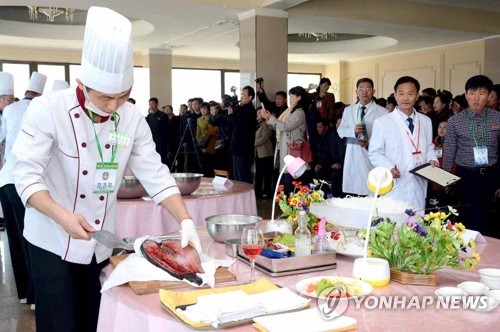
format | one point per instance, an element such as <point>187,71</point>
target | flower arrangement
<point>300,199</point>
<point>422,244</point>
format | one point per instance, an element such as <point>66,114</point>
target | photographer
<point>242,121</point>
<point>276,107</point>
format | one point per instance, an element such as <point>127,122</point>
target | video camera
<point>259,80</point>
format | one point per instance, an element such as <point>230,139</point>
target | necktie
<point>363,112</point>
<point>410,124</point>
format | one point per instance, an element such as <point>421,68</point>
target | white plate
<point>301,286</point>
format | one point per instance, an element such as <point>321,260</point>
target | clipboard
<point>435,174</point>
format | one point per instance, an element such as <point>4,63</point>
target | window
<point>21,73</point>
<point>189,83</point>
<point>74,73</point>
<point>53,72</point>
<point>231,79</point>
<point>302,80</point>
<point>140,90</point>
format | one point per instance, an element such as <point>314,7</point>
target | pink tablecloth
<point>137,217</point>
<point>122,310</point>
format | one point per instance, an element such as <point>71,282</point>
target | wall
<point>441,67</point>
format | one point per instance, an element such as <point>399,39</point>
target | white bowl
<point>473,287</point>
<point>450,292</point>
<point>490,273</point>
<point>494,294</point>
<point>491,283</point>
<point>487,304</point>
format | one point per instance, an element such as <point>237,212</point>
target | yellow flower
<point>427,217</point>
<point>459,226</point>
<point>476,257</point>
<point>442,215</point>
<point>309,198</point>
<point>292,217</point>
<point>293,202</point>
<point>317,195</point>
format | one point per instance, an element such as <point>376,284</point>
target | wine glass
<point>252,243</point>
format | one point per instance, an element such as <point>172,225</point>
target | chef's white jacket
<point>11,124</point>
<point>390,146</point>
<point>357,165</point>
<point>56,151</point>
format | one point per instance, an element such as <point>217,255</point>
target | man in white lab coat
<point>11,203</point>
<point>71,155</point>
<point>356,127</point>
<point>401,141</point>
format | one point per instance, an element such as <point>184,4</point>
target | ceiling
<point>197,28</point>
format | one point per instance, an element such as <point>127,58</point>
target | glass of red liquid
<point>252,243</point>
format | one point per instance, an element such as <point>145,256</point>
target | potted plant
<point>422,245</point>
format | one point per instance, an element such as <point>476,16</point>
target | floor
<point>15,316</point>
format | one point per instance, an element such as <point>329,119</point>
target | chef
<point>11,204</point>
<point>401,141</point>
<point>68,140</point>
<point>356,127</point>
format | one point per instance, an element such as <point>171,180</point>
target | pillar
<point>160,75</point>
<point>492,58</point>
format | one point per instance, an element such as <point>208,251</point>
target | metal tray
<point>287,273</point>
<point>293,263</point>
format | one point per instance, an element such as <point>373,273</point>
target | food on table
<point>168,255</point>
<point>285,239</point>
<point>337,287</point>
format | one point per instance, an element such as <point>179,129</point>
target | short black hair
<point>392,100</point>
<point>325,80</point>
<point>382,102</point>
<point>205,105</point>
<point>250,91</point>
<point>496,88</point>
<point>430,91</point>
<point>407,79</point>
<point>444,97</point>
<point>429,100</point>
<point>154,99</point>
<point>131,100</point>
<point>479,81</point>
<point>281,93</point>
<point>461,100</point>
<point>364,80</point>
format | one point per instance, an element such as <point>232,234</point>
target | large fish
<point>181,263</point>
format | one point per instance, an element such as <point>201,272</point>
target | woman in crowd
<point>494,98</point>
<point>290,126</point>
<point>206,134</point>
<point>441,111</point>
<point>263,158</point>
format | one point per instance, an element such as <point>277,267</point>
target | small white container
<point>494,294</point>
<point>490,277</point>
<point>473,287</point>
<point>451,292</point>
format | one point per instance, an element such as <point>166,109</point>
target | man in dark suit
<point>243,120</point>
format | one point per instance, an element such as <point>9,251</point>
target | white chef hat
<point>6,84</point>
<point>59,85</point>
<point>37,82</point>
<point>107,58</point>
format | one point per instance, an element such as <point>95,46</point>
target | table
<point>142,216</point>
<point>122,310</point>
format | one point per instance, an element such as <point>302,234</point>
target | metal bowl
<point>187,182</point>
<point>222,227</point>
<point>130,187</point>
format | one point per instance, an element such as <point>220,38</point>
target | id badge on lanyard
<point>480,155</point>
<point>105,177</point>
<point>105,172</point>
<point>318,104</point>
<point>417,154</point>
<point>439,152</point>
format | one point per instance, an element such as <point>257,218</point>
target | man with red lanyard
<point>70,155</point>
<point>472,143</point>
<point>401,141</point>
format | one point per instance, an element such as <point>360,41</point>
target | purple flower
<point>411,224</point>
<point>329,196</point>
<point>420,230</point>
<point>410,212</point>
<point>375,222</point>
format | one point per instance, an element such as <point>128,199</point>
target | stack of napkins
<point>234,306</point>
<point>306,320</point>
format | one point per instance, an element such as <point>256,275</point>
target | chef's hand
<point>190,235</point>
<point>396,173</point>
<point>363,144</point>
<point>434,163</point>
<point>359,129</point>
<point>76,226</point>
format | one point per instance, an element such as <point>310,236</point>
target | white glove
<point>190,235</point>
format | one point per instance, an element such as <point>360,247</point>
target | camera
<point>229,101</point>
<point>259,80</point>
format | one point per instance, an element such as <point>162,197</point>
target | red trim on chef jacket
<point>81,100</point>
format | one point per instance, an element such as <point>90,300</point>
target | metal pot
<point>130,187</point>
<point>187,182</point>
<point>222,227</point>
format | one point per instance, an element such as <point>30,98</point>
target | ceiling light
<point>318,35</point>
<point>50,12</point>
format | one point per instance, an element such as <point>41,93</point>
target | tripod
<point>195,147</point>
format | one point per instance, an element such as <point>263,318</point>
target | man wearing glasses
<point>356,127</point>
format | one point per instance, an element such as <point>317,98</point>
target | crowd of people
<point>403,131</point>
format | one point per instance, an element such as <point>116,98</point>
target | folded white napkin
<point>305,320</point>
<point>136,268</point>
<point>233,306</point>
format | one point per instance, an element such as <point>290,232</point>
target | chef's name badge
<point>119,138</point>
<point>480,155</point>
<point>417,158</point>
<point>105,178</point>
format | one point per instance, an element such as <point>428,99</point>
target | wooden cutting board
<point>147,287</point>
